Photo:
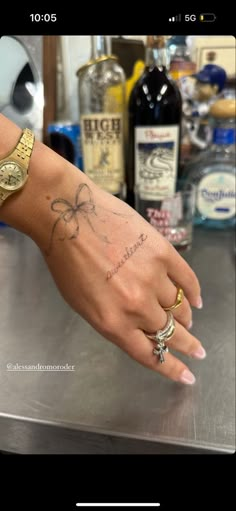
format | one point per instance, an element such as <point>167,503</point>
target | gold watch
<point>14,167</point>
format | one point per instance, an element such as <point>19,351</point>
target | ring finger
<point>184,342</point>
<point>140,348</point>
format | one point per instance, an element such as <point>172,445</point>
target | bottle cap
<point>223,108</point>
<point>156,41</point>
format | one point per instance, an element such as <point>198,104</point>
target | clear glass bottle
<point>214,172</point>
<point>102,109</point>
<point>181,64</point>
<point>155,110</point>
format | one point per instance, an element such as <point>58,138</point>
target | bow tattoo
<point>69,213</point>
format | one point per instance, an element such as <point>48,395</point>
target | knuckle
<point>163,252</point>
<point>108,324</point>
<point>134,299</point>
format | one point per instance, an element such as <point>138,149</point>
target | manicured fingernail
<point>199,303</point>
<point>190,325</point>
<point>187,377</point>
<point>199,353</point>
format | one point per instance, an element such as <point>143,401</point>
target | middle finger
<point>183,313</point>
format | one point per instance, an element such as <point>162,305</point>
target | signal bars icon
<point>175,18</point>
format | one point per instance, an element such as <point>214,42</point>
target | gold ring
<point>179,300</point>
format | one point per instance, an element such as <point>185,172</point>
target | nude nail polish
<point>187,377</point>
<point>200,353</point>
<point>199,303</point>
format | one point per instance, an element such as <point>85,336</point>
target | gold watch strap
<point>23,150</point>
<point>3,196</point>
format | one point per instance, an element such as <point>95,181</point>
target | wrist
<point>49,175</point>
<point>23,208</point>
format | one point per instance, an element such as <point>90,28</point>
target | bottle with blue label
<point>214,172</point>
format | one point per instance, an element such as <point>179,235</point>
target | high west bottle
<point>154,127</point>
<point>102,107</point>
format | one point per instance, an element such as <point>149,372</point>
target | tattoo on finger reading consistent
<point>69,213</point>
<point>129,252</point>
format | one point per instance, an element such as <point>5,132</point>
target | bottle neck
<point>157,57</point>
<point>101,46</point>
<point>223,134</point>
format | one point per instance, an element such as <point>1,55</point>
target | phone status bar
<point>208,17</point>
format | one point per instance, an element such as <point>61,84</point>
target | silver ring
<point>161,336</point>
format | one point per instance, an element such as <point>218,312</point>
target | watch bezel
<point>13,188</point>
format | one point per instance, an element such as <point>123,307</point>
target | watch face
<point>11,175</point>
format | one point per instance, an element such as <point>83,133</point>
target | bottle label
<point>102,142</point>
<point>224,136</point>
<point>156,159</point>
<point>216,196</point>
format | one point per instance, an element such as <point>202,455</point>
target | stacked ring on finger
<point>162,336</point>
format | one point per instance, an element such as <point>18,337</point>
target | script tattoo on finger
<point>69,213</point>
<point>129,252</point>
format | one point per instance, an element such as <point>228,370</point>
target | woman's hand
<point>114,269</point>
<point>110,265</point>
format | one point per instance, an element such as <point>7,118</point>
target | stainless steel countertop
<point>110,403</point>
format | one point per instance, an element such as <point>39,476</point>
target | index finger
<point>180,272</point>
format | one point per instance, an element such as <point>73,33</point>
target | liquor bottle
<point>102,108</point>
<point>180,63</point>
<point>214,172</point>
<point>154,127</point>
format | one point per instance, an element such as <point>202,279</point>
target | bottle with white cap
<point>102,115</point>
<point>214,172</point>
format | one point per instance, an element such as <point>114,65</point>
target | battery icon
<point>207,16</point>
